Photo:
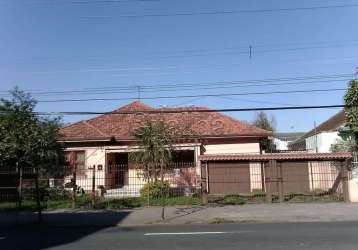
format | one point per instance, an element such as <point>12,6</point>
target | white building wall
<point>322,142</point>
<point>248,148</point>
<point>93,157</point>
<point>97,156</point>
<point>280,144</point>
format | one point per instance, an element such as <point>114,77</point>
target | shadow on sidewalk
<point>185,211</point>
<point>57,229</point>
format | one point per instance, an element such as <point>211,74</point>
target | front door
<point>121,169</point>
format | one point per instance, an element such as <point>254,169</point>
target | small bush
<point>233,199</point>
<point>176,201</point>
<point>258,193</point>
<point>119,203</point>
<point>155,190</point>
<point>57,193</point>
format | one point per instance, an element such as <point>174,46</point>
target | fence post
<point>94,186</point>
<point>263,185</point>
<point>280,181</point>
<point>20,185</point>
<point>204,191</point>
<point>38,202</point>
<point>344,166</point>
<point>74,188</point>
<point>268,183</point>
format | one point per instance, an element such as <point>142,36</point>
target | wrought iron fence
<point>278,181</point>
<point>98,186</point>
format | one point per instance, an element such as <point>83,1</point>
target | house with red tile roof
<point>104,142</point>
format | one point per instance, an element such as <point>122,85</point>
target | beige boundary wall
<point>353,190</point>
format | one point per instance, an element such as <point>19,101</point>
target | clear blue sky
<point>67,45</point>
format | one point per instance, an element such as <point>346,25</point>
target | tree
<point>342,145</point>
<point>262,121</point>
<point>155,140</point>
<point>351,101</point>
<point>26,139</point>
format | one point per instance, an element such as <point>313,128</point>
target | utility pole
<point>250,51</point>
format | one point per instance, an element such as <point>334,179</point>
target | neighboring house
<point>104,142</point>
<point>282,140</point>
<point>321,138</point>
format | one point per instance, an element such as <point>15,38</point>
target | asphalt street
<point>329,235</point>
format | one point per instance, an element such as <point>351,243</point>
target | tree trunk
<point>20,186</point>
<point>38,198</point>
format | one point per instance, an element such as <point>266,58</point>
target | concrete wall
<point>94,157</point>
<point>322,175</point>
<point>353,190</point>
<point>322,141</point>
<point>235,148</point>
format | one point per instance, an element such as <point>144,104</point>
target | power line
<point>223,51</point>
<point>78,2</point>
<point>193,96</point>
<point>110,1</point>
<point>295,78</point>
<point>139,89</point>
<point>257,101</point>
<point>177,86</point>
<point>244,52</point>
<point>229,12</point>
<point>188,110</point>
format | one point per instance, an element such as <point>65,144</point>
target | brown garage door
<point>295,176</point>
<point>228,178</point>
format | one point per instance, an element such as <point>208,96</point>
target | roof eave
<point>84,139</point>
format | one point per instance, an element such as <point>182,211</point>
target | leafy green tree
<point>155,141</point>
<point>351,101</point>
<point>26,139</point>
<point>342,145</point>
<point>155,150</point>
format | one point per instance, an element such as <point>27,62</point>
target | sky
<point>79,45</point>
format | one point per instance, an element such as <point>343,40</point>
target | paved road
<point>332,235</point>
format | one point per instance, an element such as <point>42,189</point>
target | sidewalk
<point>264,213</point>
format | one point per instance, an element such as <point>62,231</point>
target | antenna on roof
<point>138,91</point>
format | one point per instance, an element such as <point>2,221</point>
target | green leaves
<point>351,100</point>
<point>25,138</point>
<point>155,141</point>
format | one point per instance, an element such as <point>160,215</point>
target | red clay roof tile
<point>276,156</point>
<point>121,126</point>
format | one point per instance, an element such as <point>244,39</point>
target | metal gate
<point>226,178</point>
